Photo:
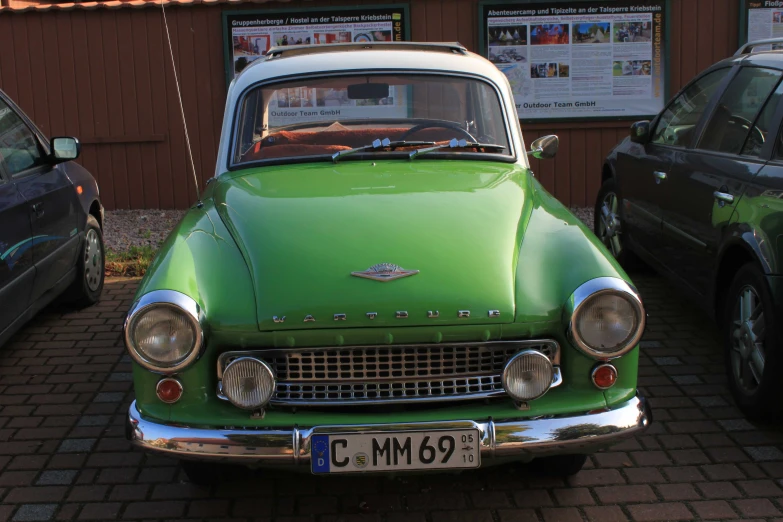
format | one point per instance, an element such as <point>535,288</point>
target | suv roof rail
<point>748,47</point>
<point>295,50</point>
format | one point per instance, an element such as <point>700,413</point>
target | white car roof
<point>419,56</point>
<point>284,61</point>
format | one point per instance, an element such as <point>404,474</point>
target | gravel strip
<point>585,214</point>
<point>126,228</point>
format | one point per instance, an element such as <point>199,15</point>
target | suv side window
<point>733,118</point>
<point>19,147</point>
<point>680,118</point>
<point>764,123</point>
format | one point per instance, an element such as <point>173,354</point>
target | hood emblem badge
<point>385,272</point>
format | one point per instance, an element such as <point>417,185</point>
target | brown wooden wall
<point>105,76</point>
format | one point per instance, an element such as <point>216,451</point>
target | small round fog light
<point>248,383</point>
<point>604,376</point>
<point>528,375</point>
<point>168,390</point>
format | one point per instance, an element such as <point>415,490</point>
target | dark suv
<point>698,194</point>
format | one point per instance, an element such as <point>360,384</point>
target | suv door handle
<point>38,209</point>
<point>723,198</point>
<point>659,176</point>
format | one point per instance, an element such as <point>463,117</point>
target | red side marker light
<point>604,376</point>
<point>79,189</point>
<point>169,390</point>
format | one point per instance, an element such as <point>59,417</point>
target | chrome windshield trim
<point>510,121</point>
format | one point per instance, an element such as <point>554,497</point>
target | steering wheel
<point>436,124</point>
<point>753,130</point>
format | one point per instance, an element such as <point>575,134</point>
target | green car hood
<point>304,228</point>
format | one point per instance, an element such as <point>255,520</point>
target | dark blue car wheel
<point>86,288</point>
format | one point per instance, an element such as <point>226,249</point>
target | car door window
<point>19,147</point>
<point>679,120</point>
<point>733,117</point>
<point>764,123</point>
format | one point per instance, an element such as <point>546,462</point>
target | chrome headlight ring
<point>598,287</point>
<point>179,302</point>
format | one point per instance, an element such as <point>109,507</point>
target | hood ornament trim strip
<point>385,272</point>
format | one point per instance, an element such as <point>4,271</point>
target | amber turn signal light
<point>604,376</point>
<point>169,390</point>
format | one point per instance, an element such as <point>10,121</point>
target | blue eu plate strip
<point>319,448</point>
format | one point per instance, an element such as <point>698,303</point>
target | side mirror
<point>640,132</point>
<point>65,149</point>
<point>544,147</point>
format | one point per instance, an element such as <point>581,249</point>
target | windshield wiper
<point>379,144</point>
<point>454,144</point>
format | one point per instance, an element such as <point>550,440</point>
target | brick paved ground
<point>65,385</point>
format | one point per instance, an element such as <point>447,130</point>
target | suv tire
<point>753,345</point>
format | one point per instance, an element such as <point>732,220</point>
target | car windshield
<point>322,116</point>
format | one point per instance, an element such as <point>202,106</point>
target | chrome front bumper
<point>521,439</point>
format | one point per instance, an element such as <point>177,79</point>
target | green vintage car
<point>375,281</point>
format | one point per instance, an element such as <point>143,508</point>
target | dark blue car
<point>50,222</point>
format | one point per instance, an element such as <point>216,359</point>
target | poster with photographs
<point>250,34</point>
<point>764,20</point>
<point>580,59</point>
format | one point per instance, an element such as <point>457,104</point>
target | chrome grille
<point>382,374</point>
<point>446,389</point>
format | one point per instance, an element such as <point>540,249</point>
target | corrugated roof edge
<point>116,4</point>
<point>296,50</point>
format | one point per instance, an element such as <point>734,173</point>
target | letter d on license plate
<point>395,451</point>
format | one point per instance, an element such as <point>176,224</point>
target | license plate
<point>395,451</point>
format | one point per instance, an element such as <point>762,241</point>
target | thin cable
<point>179,96</point>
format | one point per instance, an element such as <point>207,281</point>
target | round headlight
<point>528,375</point>
<point>163,332</point>
<point>248,383</point>
<point>607,322</point>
